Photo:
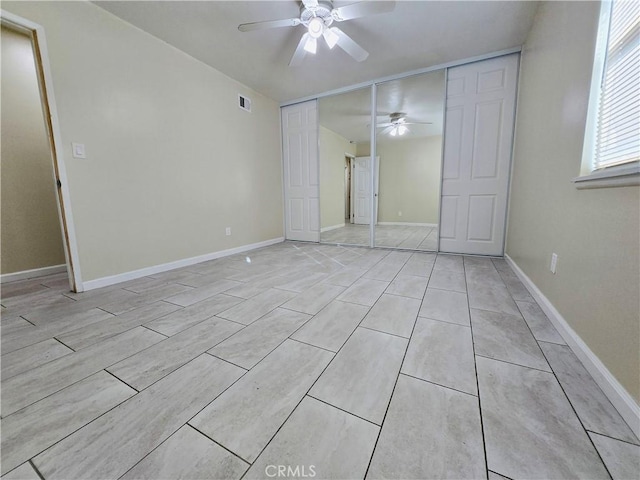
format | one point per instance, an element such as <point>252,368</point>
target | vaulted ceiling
<point>415,35</point>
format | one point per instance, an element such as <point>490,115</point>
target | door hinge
<point>59,183</point>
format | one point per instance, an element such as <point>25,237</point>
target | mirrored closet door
<point>412,190</point>
<point>345,179</point>
<point>410,116</point>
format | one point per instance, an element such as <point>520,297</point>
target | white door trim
<point>63,199</point>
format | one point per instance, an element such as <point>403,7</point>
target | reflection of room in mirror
<point>408,237</point>
<point>409,145</point>
<point>343,123</point>
<point>408,164</point>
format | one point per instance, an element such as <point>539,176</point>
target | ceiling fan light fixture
<point>398,130</point>
<point>315,27</point>
<point>330,37</point>
<point>311,45</point>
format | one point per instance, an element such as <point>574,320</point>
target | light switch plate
<point>78,150</point>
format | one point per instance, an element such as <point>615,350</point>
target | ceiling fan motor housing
<point>398,117</point>
<point>323,11</point>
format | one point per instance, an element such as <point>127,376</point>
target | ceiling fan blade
<point>310,3</point>
<point>361,9</point>
<point>348,45</point>
<point>289,22</point>
<point>383,125</point>
<point>387,130</point>
<point>300,52</point>
<point>418,123</point>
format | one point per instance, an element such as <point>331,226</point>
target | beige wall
<point>333,148</point>
<point>596,232</point>
<point>409,179</point>
<point>30,225</point>
<point>172,160</point>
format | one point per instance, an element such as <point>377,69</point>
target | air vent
<point>244,103</point>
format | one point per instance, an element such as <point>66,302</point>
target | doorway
<point>32,53</point>
<point>348,201</point>
<point>362,188</point>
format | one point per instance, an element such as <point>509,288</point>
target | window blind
<point>618,127</point>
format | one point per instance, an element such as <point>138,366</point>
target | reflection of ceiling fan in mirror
<point>317,17</point>
<point>397,125</point>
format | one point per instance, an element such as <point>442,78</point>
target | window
<point>613,130</point>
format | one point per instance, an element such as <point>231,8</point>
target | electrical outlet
<point>399,214</point>
<point>554,263</point>
<point>227,231</point>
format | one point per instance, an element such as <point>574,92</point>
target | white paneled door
<point>301,184</point>
<point>477,155</point>
<point>362,191</point>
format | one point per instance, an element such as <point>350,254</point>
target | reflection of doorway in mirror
<point>348,201</point>
<point>362,190</point>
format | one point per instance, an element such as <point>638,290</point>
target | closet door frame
<point>373,85</point>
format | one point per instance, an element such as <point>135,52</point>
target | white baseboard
<point>332,227</point>
<point>615,392</point>
<point>409,224</point>
<point>35,273</point>
<point>144,272</point>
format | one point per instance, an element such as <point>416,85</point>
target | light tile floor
<point>407,237</point>
<point>308,361</point>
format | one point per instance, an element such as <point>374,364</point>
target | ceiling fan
<point>317,17</point>
<point>397,124</point>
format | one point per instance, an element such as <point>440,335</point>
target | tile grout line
<point>613,438</point>
<point>152,330</point>
<point>343,410</point>
<point>444,321</point>
<point>27,320</point>
<point>387,333</point>
<point>493,471</point>
<point>475,367</point>
<point>514,364</point>
<point>122,381</point>
<point>552,343</point>
<point>227,361</point>
<point>59,341</point>
<point>310,344</point>
<point>437,384</point>
<point>217,443</point>
<point>33,465</point>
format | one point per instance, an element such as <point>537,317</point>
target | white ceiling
<point>417,34</point>
<point>421,97</point>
